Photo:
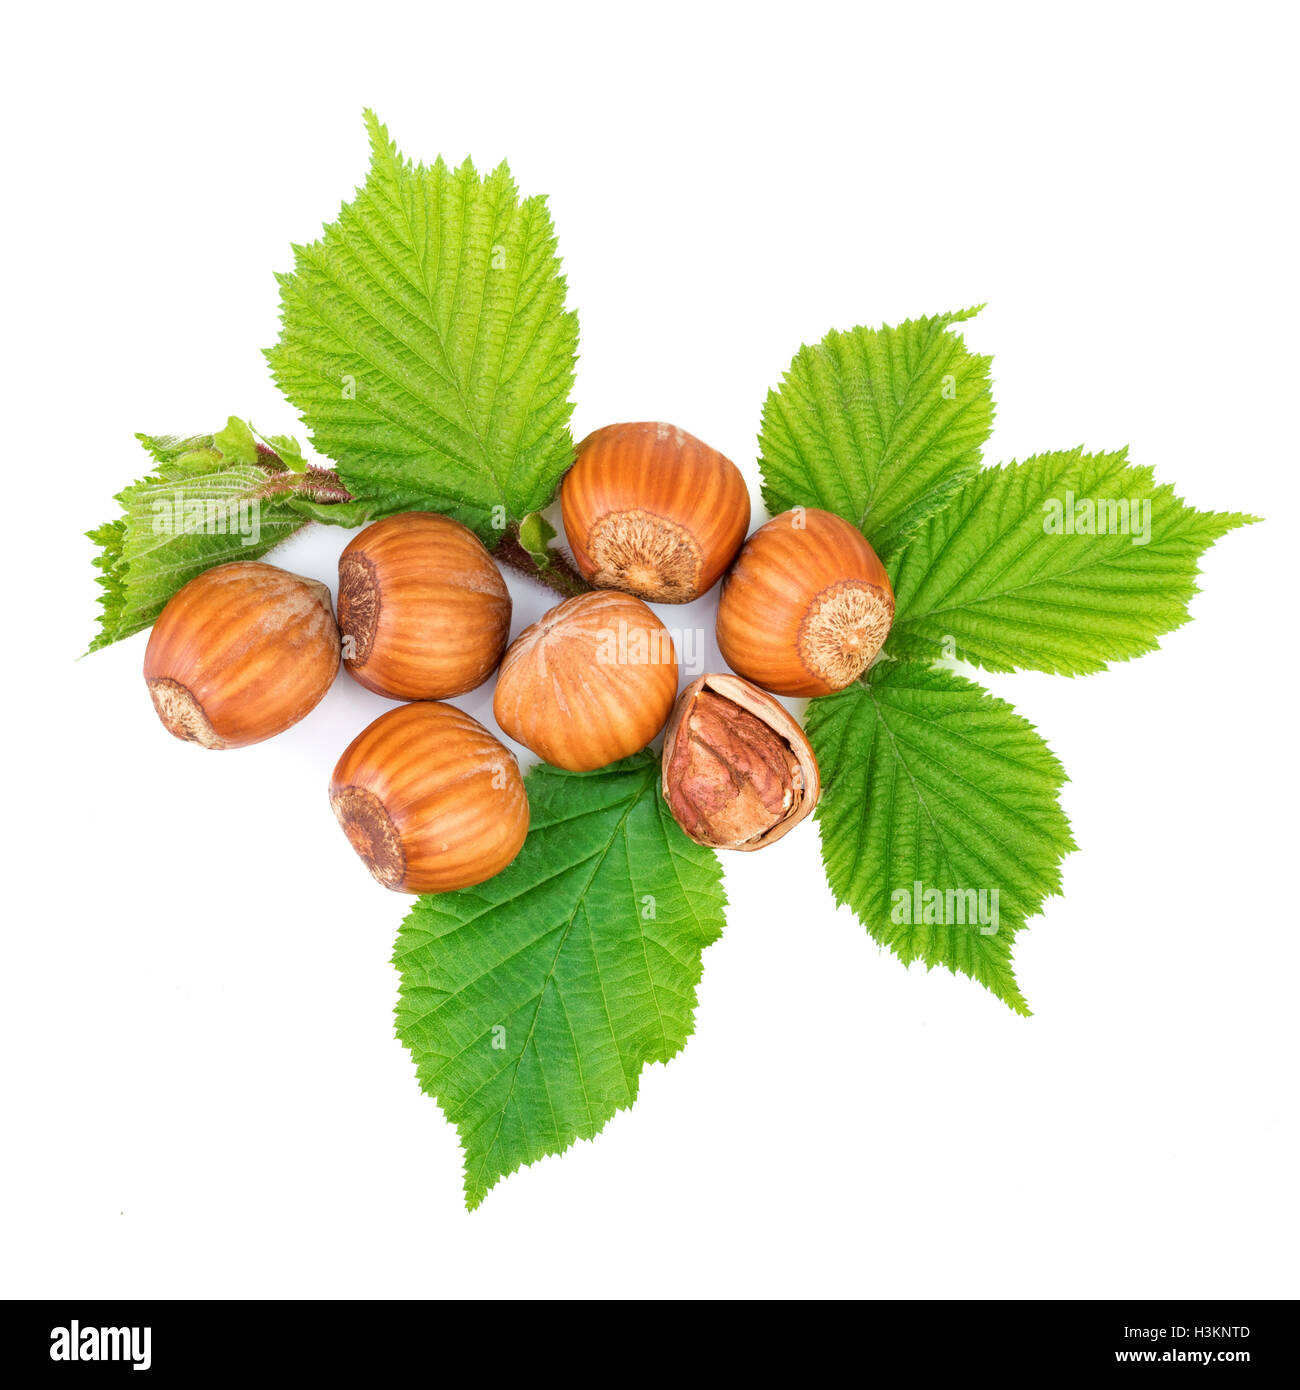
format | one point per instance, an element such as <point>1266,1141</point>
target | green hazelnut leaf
<point>940,818</point>
<point>348,514</point>
<point>536,535</point>
<point>425,340</point>
<point>879,425</point>
<point>198,508</point>
<point>1062,563</point>
<point>237,442</point>
<point>531,1003</point>
<point>288,450</point>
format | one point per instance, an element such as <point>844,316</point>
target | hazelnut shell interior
<point>775,715</point>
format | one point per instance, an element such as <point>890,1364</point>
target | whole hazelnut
<point>240,653</point>
<point>423,609</point>
<point>806,606</point>
<point>738,772</point>
<point>430,800</point>
<point>591,682</point>
<point>653,511</point>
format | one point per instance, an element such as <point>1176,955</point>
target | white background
<point>202,1094</point>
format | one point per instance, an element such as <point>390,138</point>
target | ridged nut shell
<point>423,609</point>
<point>738,771</point>
<point>240,654</point>
<point>430,800</point>
<point>653,511</point>
<point>591,682</point>
<point>806,606</point>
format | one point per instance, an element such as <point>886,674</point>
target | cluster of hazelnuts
<point>429,799</point>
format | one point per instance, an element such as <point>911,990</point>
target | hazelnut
<point>430,800</point>
<point>240,653</point>
<point>423,609</point>
<point>738,772</point>
<point>591,682</point>
<point>653,511</point>
<point>806,606</point>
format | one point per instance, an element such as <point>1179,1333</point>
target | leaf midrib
<point>550,974</point>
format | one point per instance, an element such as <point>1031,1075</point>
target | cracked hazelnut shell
<point>738,772</point>
<point>653,511</point>
<point>430,800</point>
<point>806,606</point>
<point>590,682</point>
<point>423,610</point>
<point>241,653</point>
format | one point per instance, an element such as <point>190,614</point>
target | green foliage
<point>1005,578</point>
<point>930,781</point>
<point>531,1003</point>
<point>879,425</point>
<point>346,514</point>
<point>1062,563</point>
<point>197,508</point>
<point>237,442</point>
<point>425,341</point>
<point>536,535</point>
<point>287,448</point>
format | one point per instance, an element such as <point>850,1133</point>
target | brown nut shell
<point>423,609</point>
<point>738,772</point>
<point>241,653</point>
<point>591,682</point>
<point>653,511</point>
<point>806,606</point>
<point>430,800</point>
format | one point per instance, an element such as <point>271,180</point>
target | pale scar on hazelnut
<point>646,553</point>
<point>182,714</point>
<point>845,626</point>
<point>359,604</point>
<point>371,833</point>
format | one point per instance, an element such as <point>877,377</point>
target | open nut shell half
<point>736,781</point>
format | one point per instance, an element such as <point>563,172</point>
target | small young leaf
<point>237,442</point>
<point>350,514</point>
<point>425,341</point>
<point>193,462</point>
<point>195,510</point>
<point>1061,563</point>
<point>288,450</point>
<point>531,1003</point>
<point>536,535</point>
<point>877,425</point>
<point>937,797</point>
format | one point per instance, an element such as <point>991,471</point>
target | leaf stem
<point>320,484</point>
<point>324,485</point>
<point>558,574</point>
